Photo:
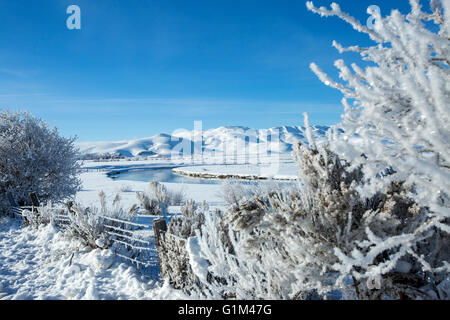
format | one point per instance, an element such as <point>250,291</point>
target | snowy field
<point>43,264</point>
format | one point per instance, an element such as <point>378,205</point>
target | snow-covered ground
<point>41,263</point>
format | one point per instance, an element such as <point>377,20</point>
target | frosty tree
<point>396,125</point>
<point>400,109</point>
<point>34,158</point>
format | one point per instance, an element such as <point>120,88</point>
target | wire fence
<point>132,240</point>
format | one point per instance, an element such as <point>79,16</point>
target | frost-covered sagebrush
<point>89,223</point>
<point>42,215</point>
<point>191,219</point>
<point>34,158</point>
<point>288,244</point>
<point>396,120</point>
<point>156,200</point>
<point>397,109</point>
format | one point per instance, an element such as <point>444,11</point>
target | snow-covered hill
<point>228,140</point>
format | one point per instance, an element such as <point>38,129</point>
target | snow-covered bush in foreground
<point>372,216</point>
<point>44,264</point>
<point>34,158</point>
<point>400,111</point>
<point>287,243</point>
<point>399,119</point>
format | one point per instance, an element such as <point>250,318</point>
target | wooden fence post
<point>174,259</point>
<point>34,199</point>
<point>69,205</point>
<point>159,227</point>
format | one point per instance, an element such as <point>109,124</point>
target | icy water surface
<point>158,174</point>
<point>166,175</point>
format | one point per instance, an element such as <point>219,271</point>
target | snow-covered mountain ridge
<point>230,139</point>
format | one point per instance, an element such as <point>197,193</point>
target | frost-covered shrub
<point>42,215</point>
<point>397,108</point>
<point>126,188</point>
<point>150,205</point>
<point>176,197</point>
<point>396,117</point>
<point>276,239</point>
<point>34,158</point>
<point>287,243</point>
<point>192,219</point>
<point>88,224</point>
<point>156,200</point>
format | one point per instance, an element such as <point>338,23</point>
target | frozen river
<point>158,174</point>
<point>165,174</point>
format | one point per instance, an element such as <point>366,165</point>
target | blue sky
<point>141,67</point>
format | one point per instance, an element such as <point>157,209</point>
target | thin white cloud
<point>188,106</point>
<point>13,72</point>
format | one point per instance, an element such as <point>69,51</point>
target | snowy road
<point>43,264</point>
